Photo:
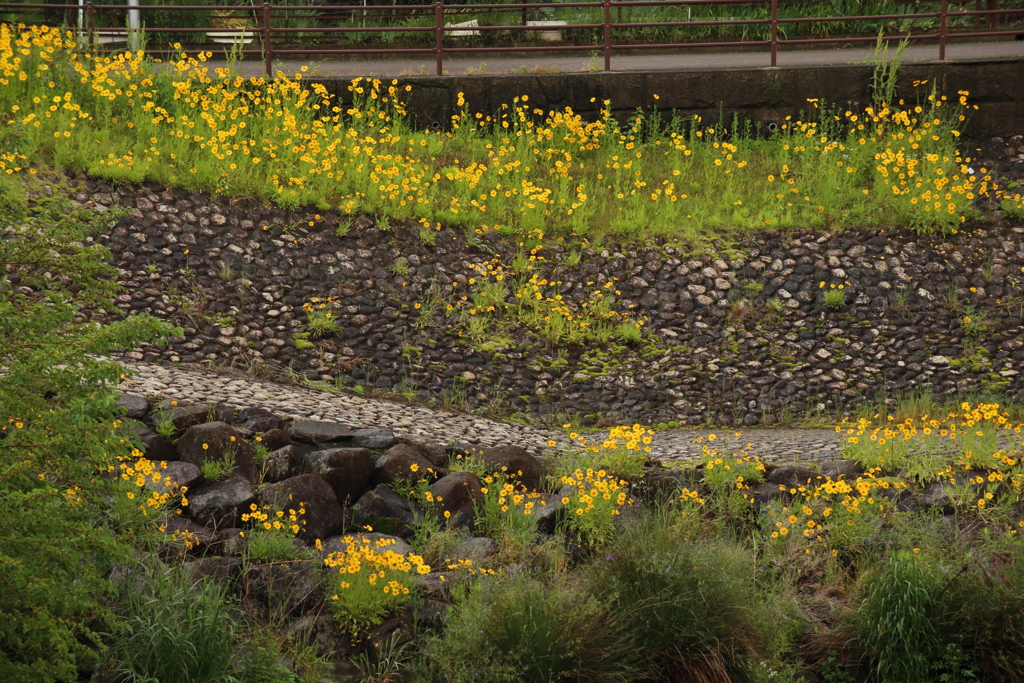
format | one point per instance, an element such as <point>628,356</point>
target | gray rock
<point>764,494</point>
<point>218,441</point>
<point>835,468</point>
<point>282,464</point>
<point>231,541</point>
<point>322,633</point>
<point>324,516</point>
<point>454,498</point>
<point>382,503</point>
<point>135,407</point>
<point>477,549</point>
<point>222,504</point>
<point>155,447</point>
<point>430,614</point>
<point>216,569</point>
<point>275,439</point>
<point>259,420</point>
<point>663,484</point>
<point>346,470</point>
<point>549,509</point>
<point>515,462</point>
<point>174,474</point>
<point>433,452</point>
<point>434,585</point>
<point>794,477</point>
<point>378,437</point>
<point>185,415</point>
<point>401,463</point>
<point>286,586</point>
<point>315,431</point>
<point>184,533</point>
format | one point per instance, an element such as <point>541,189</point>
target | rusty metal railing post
<point>439,35</point>
<point>607,35</point>
<point>775,31</point>
<point>943,16</point>
<point>268,51</point>
<point>90,26</point>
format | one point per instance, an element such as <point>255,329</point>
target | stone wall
<point>733,336</point>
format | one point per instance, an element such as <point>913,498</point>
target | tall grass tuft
<point>516,628</point>
<point>925,618</point>
<point>690,608</point>
<point>176,631</point>
<point>895,622</point>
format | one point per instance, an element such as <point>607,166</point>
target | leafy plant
<point>272,532</point>
<point>973,322</point>
<point>216,470</point>
<point>60,426</point>
<point>835,299</point>
<point>164,425</point>
<point>320,316</point>
<point>369,580</point>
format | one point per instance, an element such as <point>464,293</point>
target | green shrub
<point>58,416</point>
<point>689,608</point>
<point>515,628</point>
<point>176,631</point>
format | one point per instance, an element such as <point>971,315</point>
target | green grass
<point>176,631</point>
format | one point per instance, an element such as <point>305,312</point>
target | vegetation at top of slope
<point>522,169</point>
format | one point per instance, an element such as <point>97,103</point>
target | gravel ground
<point>195,386</point>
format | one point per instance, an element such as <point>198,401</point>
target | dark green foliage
<point>894,622</point>
<point>689,607</point>
<point>176,631</point>
<point>931,619</point>
<point>516,628</point>
<point>58,431</point>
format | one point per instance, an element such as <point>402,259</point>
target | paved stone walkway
<point>493,64</point>
<point>197,386</point>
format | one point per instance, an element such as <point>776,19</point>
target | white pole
<point>133,26</point>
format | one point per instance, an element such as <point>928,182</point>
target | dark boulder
<point>401,463</point>
<point>315,431</point>
<point>218,441</point>
<point>222,504</point>
<point>323,517</point>
<point>454,497</point>
<point>515,462</point>
<point>346,470</point>
<point>383,507</point>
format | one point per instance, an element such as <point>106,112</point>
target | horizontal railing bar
<point>858,39</point>
<point>684,45</point>
<point>802,20</point>
<point>525,48</point>
<point>354,51</point>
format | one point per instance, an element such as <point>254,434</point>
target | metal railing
<point>263,17</point>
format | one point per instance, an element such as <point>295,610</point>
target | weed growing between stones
<point>320,318</point>
<point>370,580</point>
<point>272,532</point>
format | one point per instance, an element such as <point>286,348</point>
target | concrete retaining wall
<point>763,95</point>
